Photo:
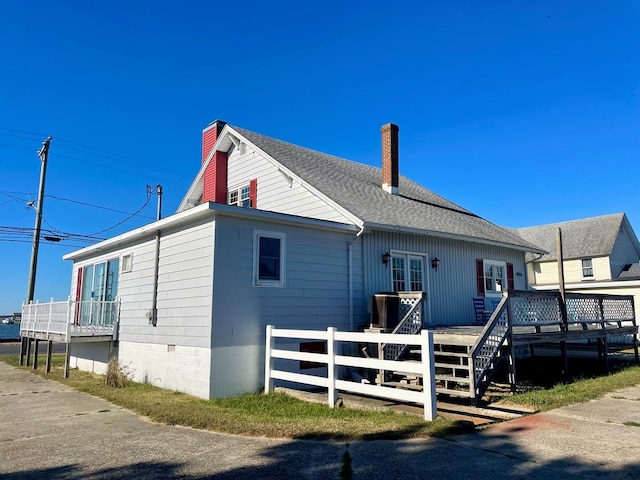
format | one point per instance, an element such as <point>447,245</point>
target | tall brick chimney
<point>390,158</point>
<point>214,180</point>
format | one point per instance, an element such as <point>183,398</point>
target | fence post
<point>331,366</point>
<point>268,360</point>
<point>428,375</point>
<point>49,319</point>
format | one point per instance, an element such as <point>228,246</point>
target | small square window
<point>126,263</point>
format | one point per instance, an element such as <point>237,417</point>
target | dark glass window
<point>269,259</point>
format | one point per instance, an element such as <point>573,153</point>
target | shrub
<point>116,376</point>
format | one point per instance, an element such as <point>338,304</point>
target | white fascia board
<point>589,285</point>
<point>202,211</point>
<point>148,230</point>
<point>453,236</point>
<point>356,221</point>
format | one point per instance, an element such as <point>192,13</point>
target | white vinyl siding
<point>546,273</point>
<point>624,252</point>
<point>275,193</point>
<point>316,296</point>
<point>184,287</point>
<point>451,288</point>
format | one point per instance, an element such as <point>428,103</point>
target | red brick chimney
<point>214,180</point>
<point>390,158</point>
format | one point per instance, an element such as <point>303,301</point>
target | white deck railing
<point>70,318</point>
<point>332,337</point>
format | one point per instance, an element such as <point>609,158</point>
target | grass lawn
<point>545,390</point>
<point>278,415</point>
<point>273,415</point>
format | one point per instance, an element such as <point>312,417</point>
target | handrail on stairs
<point>407,325</point>
<point>486,348</point>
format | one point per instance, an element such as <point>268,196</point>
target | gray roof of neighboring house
<point>589,237</point>
<point>357,188</point>
<point>630,272</point>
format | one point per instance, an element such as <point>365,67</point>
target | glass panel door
<point>416,274</point>
<point>85,295</point>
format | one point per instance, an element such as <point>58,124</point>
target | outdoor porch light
<point>435,261</point>
<point>385,258</point>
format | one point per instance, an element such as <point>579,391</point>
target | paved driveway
<point>48,431</point>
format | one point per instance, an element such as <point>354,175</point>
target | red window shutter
<point>253,193</point>
<point>510,282</point>
<point>480,277</point>
<point>76,317</point>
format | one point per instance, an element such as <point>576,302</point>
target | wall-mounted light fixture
<point>435,261</point>
<point>385,258</point>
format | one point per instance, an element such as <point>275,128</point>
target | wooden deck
<point>467,356</point>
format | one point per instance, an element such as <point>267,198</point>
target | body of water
<point>9,331</point>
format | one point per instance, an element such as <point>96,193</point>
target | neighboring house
<point>273,233</point>
<point>601,255</point>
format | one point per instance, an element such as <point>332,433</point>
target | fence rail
<point>334,338</point>
<point>70,318</point>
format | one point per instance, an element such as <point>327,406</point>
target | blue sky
<point>523,112</point>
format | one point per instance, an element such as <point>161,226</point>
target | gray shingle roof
<point>630,272</point>
<point>357,188</point>
<point>589,237</point>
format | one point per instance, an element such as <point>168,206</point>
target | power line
<point>16,146</point>
<point>95,206</point>
<point>149,192</point>
<point>136,173</point>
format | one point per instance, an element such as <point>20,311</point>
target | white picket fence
<point>333,338</point>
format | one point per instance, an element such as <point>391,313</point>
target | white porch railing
<point>332,337</point>
<point>70,318</point>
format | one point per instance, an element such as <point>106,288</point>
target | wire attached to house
<point>150,191</point>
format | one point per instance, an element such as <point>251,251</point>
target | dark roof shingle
<point>357,188</point>
<point>589,237</point>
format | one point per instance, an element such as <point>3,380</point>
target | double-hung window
<point>269,259</point>
<point>240,196</point>
<point>495,278</point>
<point>587,268</point>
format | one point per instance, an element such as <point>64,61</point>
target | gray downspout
<point>154,302</point>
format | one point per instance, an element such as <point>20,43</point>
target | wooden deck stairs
<point>467,359</point>
<point>464,363</point>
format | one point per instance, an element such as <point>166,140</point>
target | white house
<point>600,255</point>
<point>273,233</point>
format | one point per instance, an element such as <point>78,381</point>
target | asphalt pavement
<point>50,431</point>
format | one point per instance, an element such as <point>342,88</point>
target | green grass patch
<point>579,391</point>
<point>273,415</point>
<point>632,424</point>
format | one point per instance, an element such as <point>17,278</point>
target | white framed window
<point>269,250</point>
<point>407,272</point>
<point>587,268</point>
<point>495,278</point>
<point>126,263</point>
<point>240,196</point>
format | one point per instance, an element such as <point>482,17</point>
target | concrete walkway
<point>50,431</point>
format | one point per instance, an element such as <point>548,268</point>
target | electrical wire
<point>149,192</point>
<point>95,206</point>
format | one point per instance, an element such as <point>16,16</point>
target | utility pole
<point>159,192</point>
<point>43,154</point>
